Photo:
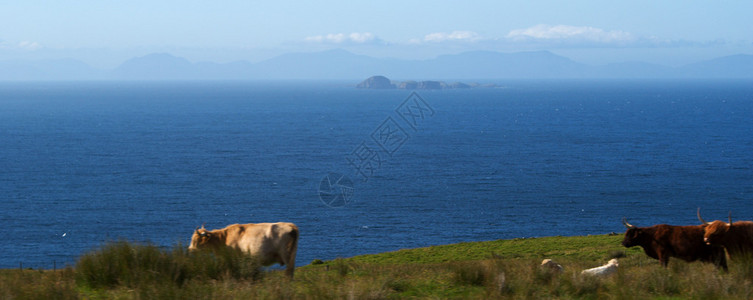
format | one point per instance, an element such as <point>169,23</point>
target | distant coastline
<point>338,64</point>
<point>379,82</point>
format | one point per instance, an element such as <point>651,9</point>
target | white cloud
<point>27,45</point>
<point>342,38</point>
<point>458,36</point>
<point>566,33</point>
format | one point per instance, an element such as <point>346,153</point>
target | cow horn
<point>628,225</point>
<point>202,225</point>
<point>699,217</point>
<point>730,219</point>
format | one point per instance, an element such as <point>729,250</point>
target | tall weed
<point>133,265</point>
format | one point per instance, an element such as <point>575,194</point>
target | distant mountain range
<point>340,64</point>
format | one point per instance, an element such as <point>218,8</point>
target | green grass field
<point>503,269</point>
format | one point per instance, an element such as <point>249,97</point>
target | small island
<point>381,82</point>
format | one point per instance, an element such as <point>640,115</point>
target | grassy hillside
<point>503,269</point>
<point>578,248</point>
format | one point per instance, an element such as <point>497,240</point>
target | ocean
<point>363,171</point>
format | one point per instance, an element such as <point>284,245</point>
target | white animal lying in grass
<point>609,268</point>
<point>551,266</point>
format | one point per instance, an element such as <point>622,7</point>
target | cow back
<point>263,239</point>
<point>739,238</point>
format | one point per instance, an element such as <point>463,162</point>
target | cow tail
<point>293,243</point>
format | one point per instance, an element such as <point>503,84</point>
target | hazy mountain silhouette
<point>486,64</point>
<point>157,66</point>
<point>633,70</point>
<point>733,66</point>
<point>341,64</point>
<point>332,64</point>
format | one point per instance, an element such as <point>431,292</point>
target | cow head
<point>715,231</point>
<point>633,236</point>
<point>201,238</point>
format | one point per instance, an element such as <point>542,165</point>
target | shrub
<point>470,273</point>
<point>133,265</point>
<point>32,284</point>
<point>341,267</point>
<point>616,254</point>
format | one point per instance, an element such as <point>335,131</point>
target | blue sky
<point>104,33</point>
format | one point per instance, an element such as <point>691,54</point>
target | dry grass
<point>502,276</point>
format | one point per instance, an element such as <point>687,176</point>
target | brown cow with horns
<point>736,237</point>
<point>270,242</point>
<point>664,241</point>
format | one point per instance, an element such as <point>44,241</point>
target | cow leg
<point>288,257</point>
<point>723,266</point>
<point>721,262</point>
<point>664,260</point>
<point>290,268</point>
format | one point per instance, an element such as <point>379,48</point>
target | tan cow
<point>270,242</point>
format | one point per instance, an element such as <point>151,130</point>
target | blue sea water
<point>82,163</point>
